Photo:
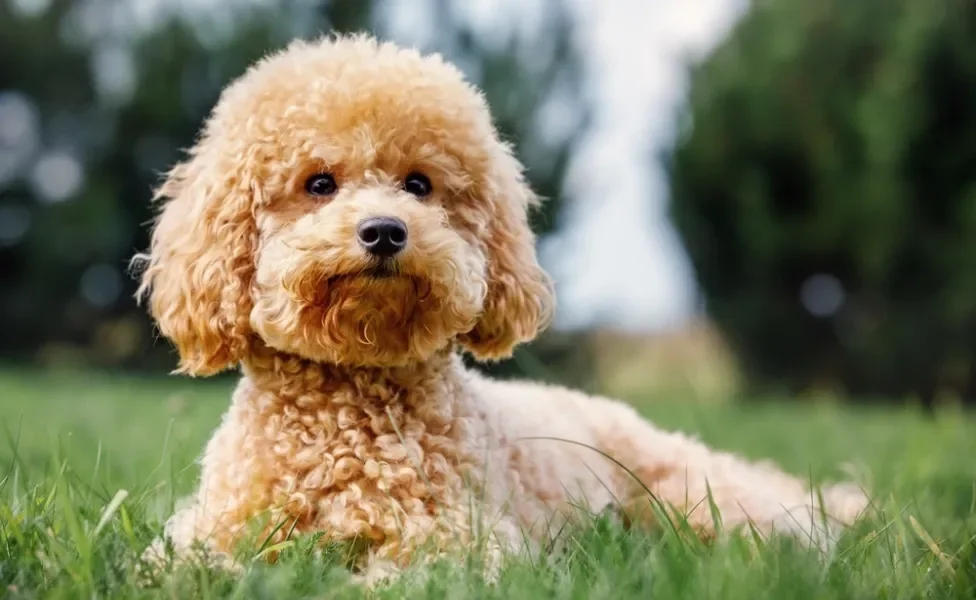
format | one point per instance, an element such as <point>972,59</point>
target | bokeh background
<point>745,199</point>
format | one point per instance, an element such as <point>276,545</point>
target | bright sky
<point>621,264</point>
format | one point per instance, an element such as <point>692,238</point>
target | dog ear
<point>520,299</point>
<point>199,267</point>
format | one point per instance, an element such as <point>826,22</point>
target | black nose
<point>382,236</point>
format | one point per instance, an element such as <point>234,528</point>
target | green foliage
<point>70,442</point>
<point>838,139</point>
<point>64,295</point>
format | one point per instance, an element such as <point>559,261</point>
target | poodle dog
<point>348,222</point>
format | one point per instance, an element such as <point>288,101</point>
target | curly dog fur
<point>355,416</point>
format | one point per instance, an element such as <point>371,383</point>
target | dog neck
<point>289,376</point>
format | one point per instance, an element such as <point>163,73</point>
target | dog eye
<point>417,184</point>
<point>322,184</point>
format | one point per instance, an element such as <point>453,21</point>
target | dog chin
<point>374,317</point>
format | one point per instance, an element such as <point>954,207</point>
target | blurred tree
<point>825,188</point>
<point>95,103</point>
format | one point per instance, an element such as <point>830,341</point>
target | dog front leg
<point>455,534</point>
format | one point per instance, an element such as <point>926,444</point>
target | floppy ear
<point>519,301</point>
<point>199,267</point>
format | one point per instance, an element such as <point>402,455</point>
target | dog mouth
<point>383,281</point>
<point>381,270</point>
<point>384,269</point>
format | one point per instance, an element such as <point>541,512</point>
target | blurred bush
<point>96,100</point>
<point>824,184</point>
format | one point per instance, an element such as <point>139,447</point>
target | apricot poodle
<point>347,223</point>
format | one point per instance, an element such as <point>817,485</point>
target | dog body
<point>438,457</point>
<point>346,226</point>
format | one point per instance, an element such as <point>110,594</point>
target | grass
<point>90,467</point>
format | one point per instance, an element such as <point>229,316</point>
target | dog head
<point>350,202</point>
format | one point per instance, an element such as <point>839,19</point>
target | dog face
<point>349,202</point>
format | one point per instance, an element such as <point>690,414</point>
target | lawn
<point>71,442</point>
